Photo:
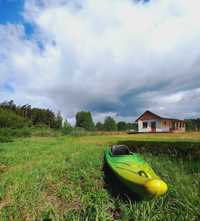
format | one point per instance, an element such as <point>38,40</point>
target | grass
<point>61,178</point>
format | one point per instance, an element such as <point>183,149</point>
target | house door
<point>153,126</point>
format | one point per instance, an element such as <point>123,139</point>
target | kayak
<point>134,172</point>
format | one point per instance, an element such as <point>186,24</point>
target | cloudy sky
<point>111,57</point>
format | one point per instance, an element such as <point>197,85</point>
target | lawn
<point>62,178</point>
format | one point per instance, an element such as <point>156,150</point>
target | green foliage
<point>14,133</point>
<point>99,126</point>
<point>8,119</point>
<point>23,132</point>
<point>132,126</point>
<point>67,128</point>
<point>5,139</point>
<point>58,121</point>
<point>84,120</point>
<point>174,149</point>
<point>20,116</point>
<point>79,131</point>
<point>110,124</point>
<point>193,124</point>
<point>42,130</point>
<point>122,126</point>
<point>62,179</point>
<point>7,134</point>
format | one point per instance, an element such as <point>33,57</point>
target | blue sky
<point>81,55</point>
<point>11,11</point>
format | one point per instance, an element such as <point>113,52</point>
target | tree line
<point>19,116</point>
<point>193,124</point>
<point>84,120</point>
<point>16,116</point>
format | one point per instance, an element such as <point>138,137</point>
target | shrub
<point>4,139</point>
<point>23,132</point>
<point>14,133</point>
<point>67,128</point>
<point>176,149</point>
<point>79,131</point>
<point>45,131</point>
<point>8,119</point>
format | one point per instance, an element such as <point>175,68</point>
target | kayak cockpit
<point>118,150</point>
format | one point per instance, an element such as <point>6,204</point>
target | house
<point>150,122</point>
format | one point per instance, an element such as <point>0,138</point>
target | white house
<point>150,122</point>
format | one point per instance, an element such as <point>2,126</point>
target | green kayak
<point>134,172</point>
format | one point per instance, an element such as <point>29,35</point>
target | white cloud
<point>99,52</point>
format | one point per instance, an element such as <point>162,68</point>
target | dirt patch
<point>57,202</point>
<point>3,168</point>
<point>5,201</point>
<point>115,213</point>
<point>3,204</point>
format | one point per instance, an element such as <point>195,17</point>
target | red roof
<point>156,116</point>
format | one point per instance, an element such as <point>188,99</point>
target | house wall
<point>179,126</point>
<point>160,127</point>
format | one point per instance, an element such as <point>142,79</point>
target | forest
<point>25,116</point>
<point>22,117</point>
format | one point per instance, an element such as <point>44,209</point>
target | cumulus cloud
<point>107,56</point>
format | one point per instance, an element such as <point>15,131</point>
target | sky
<point>110,57</point>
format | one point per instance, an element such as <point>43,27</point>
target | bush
<point>4,139</point>
<point>79,131</point>
<point>67,128</point>
<point>8,119</point>
<point>23,132</point>
<point>14,133</point>
<point>45,131</point>
<point>187,150</point>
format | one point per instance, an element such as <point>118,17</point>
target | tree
<point>99,126</point>
<point>84,120</point>
<point>8,119</point>
<point>67,128</point>
<point>132,126</point>
<point>121,126</point>
<point>193,124</point>
<point>58,119</point>
<point>35,115</point>
<point>110,124</point>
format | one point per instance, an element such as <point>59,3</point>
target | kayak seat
<point>120,150</point>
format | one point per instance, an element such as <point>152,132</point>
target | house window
<point>165,123</point>
<point>145,124</point>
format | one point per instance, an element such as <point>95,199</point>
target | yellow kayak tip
<point>156,187</point>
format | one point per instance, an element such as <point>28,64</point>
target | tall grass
<point>61,178</point>
<point>8,134</point>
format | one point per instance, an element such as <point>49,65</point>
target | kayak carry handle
<point>143,173</point>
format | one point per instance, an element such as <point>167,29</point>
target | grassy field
<point>62,178</point>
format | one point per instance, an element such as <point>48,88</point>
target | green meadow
<point>62,178</point>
